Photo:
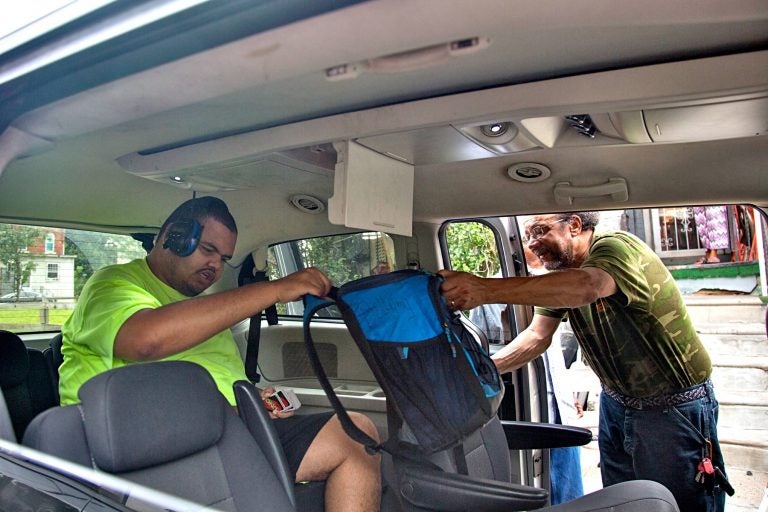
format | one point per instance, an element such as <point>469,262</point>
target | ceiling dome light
<point>179,181</point>
<point>528,172</point>
<point>495,129</point>
<point>307,204</point>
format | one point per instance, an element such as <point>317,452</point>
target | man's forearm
<point>156,333</point>
<point>152,334</point>
<point>524,348</point>
<point>561,289</point>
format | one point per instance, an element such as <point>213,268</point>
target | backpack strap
<point>312,305</point>
<point>399,450</point>
<point>248,275</point>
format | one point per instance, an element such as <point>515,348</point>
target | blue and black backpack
<point>440,384</point>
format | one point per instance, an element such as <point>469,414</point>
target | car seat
<point>309,496</point>
<point>437,485</point>
<point>6,427</point>
<point>54,358</point>
<point>166,426</point>
<point>26,380</point>
<point>486,487</point>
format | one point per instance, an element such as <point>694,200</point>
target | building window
<point>675,233</point>
<point>53,271</point>
<point>50,243</point>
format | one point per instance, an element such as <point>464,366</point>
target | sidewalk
<point>749,485</point>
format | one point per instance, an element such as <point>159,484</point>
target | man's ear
<point>575,225</point>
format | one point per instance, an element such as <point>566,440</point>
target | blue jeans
<point>565,474</point>
<point>664,444</point>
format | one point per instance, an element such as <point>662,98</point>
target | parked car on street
<point>23,296</point>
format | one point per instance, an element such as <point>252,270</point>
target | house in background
<point>54,272</point>
<point>674,236</point>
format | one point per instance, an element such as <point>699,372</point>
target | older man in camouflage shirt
<point>658,412</point>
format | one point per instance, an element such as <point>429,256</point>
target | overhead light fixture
<point>528,172</point>
<point>307,204</point>
<point>409,60</point>
<point>495,129</point>
<point>179,181</point>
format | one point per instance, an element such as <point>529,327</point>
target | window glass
<point>472,248</point>
<point>43,270</point>
<point>343,258</point>
<point>50,241</point>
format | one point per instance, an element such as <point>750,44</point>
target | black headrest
<point>148,414</point>
<point>14,360</point>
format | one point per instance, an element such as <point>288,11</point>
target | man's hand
<point>274,414</point>
<point>462,290</point>
<point>308,281</point>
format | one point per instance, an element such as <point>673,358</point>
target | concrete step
<point>740,378</point>
<point>725,308</point>
<point>732,397</point>
<point>750,488</point>
<point>750,419</point>
<point>743,437</point>
<point>731,342</point>
<point>733,327</point>
<point>744,360</point>
<point>743,458</point>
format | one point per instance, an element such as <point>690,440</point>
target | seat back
<point>487,486</point>
<point>54,358</point>
<point>26,380</point>
<point>6,427</point>
<point>164,425</point>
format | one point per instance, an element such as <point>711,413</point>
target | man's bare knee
<point>365,424</point>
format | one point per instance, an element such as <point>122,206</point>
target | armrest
<point>526,435</point>
<point>255,416</point>
<point>432,489</point>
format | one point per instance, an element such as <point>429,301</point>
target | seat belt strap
<point>248,275</point>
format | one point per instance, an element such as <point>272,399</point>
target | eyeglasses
<point>539,230</point>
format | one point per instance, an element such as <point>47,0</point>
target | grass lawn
<point>15,316</point>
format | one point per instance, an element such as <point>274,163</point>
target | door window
<point>342,258</point>
<point>43,270</point>
<point>472,247</point>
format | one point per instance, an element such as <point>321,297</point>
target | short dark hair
<point>588,219</point>
<point>199,209</point>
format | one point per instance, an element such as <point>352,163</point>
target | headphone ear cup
<point>183,237</point>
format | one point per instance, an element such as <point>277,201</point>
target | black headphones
<point>182,237</point>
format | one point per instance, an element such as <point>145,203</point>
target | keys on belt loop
<point>711,476</point>
<point>704,471</point>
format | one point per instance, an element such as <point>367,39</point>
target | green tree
<point>14,241</point>
<point>333,256</point>
<point>472,248</point>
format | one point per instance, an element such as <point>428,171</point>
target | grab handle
<point>565,193</point>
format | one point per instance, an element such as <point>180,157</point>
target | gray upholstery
<point>164,425</point>
<point>26,380</point>
<point>487,487</point>
<point>635,496</point>
<point>54,358</point>
<point>59,431</point>
<point>251,409</point>
<point>6,427</point>
<point>111,408</point>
